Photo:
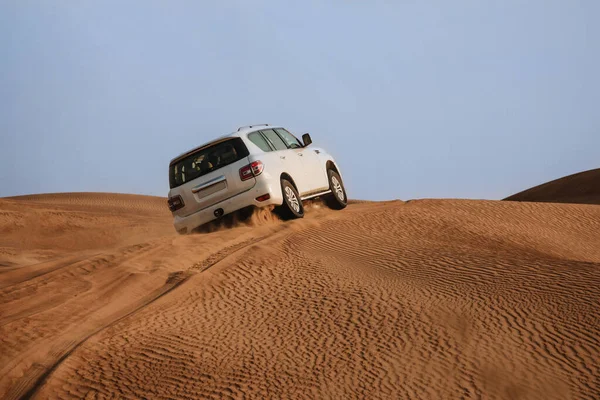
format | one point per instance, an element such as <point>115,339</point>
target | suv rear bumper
<point>248,198</point>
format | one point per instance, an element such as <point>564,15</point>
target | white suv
<point>259,165</point>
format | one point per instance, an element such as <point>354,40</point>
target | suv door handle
<point>282,157</point>
<point>300,154</point>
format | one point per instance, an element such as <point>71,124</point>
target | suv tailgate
<point>209,175</point>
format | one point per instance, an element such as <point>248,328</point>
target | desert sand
<point>579,188</point>
<point>432,299</point>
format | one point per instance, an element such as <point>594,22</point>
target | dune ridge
<point>424,299</point>
<point>579,188</point>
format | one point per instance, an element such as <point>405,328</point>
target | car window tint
<point>259,140</point>
<point>275,140</point>
<point>289,139</point>
<point>205,160</point>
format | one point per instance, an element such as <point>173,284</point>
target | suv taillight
<point>175,203</point>
<point>251,170</point>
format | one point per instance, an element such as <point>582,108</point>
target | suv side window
<point>275,140</point>
<point>259,140</point>
<point>289,139</point>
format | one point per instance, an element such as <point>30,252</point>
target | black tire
<point>292,204</point>
<point>338,199</point>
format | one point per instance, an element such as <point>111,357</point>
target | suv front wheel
<point>337,199</point>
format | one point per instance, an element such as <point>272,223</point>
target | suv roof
<point>241,131</point>
<point>251,126</point>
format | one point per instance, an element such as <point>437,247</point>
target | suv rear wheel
<point>337,199</point>
<point>292,205</point>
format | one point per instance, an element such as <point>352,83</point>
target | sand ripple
<point>424,299</point>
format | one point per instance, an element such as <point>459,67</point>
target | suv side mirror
<point>306,139</point>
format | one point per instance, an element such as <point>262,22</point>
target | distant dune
<point>580,188</point>
<point>435,299</point>
<point>39,227</point>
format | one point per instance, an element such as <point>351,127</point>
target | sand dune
<point>580,188</point>
<point>425,299</point>
<point>40,227</point>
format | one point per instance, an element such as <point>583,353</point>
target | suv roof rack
<point>251,126</point>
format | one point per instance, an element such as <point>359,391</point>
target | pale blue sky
<point>475,99</point>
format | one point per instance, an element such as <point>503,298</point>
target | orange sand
<point>434,299</point>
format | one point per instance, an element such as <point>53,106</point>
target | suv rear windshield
<point>205,160</point>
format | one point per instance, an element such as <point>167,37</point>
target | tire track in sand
<point>32,383</point>
<point>37,376</point>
